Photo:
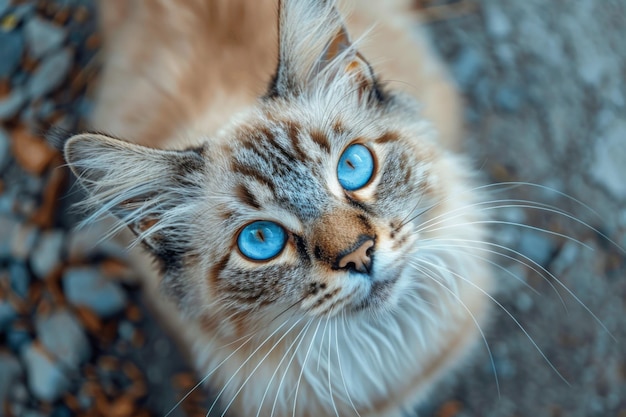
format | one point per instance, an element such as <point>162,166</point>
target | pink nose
<point>359,259</point>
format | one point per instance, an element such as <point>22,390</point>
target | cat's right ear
<point>314,49</point>
<point>149,190</point>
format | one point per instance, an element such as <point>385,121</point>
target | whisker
<point>246,361</point>
<point>343,379</point>
<point>295,351</point>
<point>480,330</point>
<point>455,248</point>
<point>532,341</point>
<point>269,383</point>
<point>330,385</point>
<point>257,366</point>
<point>303,366</point>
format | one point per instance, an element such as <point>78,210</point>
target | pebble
<point>5,145</point>
<point>8,224</point>
<point>467,66</point>
<point>509,99</point>
<point>45,378</point>
<point>497,23</point>
<point>51,73</point>
<point>63,336</point>
<point>18,337</point>
<point>524,302</point>
<point>43,36</point>
<point>87,241</point>
<point>9,106</point>
<point>535,245</point>
<point>88,287</point>
<point>7,315</point>
<point>23,240</point>
<point>46,256</point>
<point>11,371</point>
<point>609,165</point>
<point>4,6</point>
<point>11,52</point>
<point>20,278</point>
<point>565,258</point>
<point>23,11</point>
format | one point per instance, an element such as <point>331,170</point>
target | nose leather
<point>358,259</point>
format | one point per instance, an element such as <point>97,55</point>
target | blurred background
<point>544,84</point>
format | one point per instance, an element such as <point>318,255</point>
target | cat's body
<point>360,311</point>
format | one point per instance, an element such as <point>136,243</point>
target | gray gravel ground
<point>546,104</point>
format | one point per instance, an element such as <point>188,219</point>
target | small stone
<point>63,336</point>
<point>524,302</point>
<point>8,224</point>
<point>46,255</point>
<point>5,147</point>
<point>18,337</point>
<point>50,74</point>
<point>9,106</point>
<point>565,258</point>
<point>508,99</point>
<point>23,241</point>
<point>20,278</point>
<point>126,330</point>
<point>4,6</point>
<point>43,36</point>
<point>45,109</point>
<point>11,52</point>
<point>609,165</point>
<point>23,11</point>
<point>467,66</point>
<point>88,287</point>
<point>61,411</point>
<point>45,378</point>
<point>86,242</point>
<point>536,246</point>
<point>11,371</point>
<point>33,413</point>
<point>497,23</point>
<point>7,315</point>
<point>31,152</point>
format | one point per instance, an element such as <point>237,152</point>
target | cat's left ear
<point>151,191</point>
<point>314,49</point>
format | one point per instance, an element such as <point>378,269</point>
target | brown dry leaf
<point>450,409</point>
<point>31,152</point>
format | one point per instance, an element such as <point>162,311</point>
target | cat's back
<point>176,70</point>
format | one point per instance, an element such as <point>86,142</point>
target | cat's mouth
<point>379,294</point>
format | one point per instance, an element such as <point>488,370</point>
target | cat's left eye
<point>356,167</point>
<point>261,240</point>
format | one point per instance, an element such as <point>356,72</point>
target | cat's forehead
<point>284,162</point>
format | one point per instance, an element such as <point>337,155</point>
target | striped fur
<point>295,335</point>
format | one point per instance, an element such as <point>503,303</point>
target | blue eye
<point>356,167</point>
<point>261,240</point>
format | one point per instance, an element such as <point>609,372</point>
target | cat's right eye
<point>261,240</point>
<point>356,167</point>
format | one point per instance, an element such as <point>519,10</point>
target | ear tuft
<point>151,191</point>
<point>315,49</point>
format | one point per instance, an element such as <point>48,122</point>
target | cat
<point>295,188</point>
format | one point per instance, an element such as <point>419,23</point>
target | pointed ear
<point>151,191</point>
<point>314,48</point>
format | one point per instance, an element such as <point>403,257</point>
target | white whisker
<point>427,273</point>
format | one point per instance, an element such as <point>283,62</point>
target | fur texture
<point>202,156</point>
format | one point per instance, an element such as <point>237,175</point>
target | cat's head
<point>310,202</point>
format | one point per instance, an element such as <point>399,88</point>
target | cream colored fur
<point>181,74</point>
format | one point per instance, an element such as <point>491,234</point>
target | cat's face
<point>314,207</point>
<point>309,202</point>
